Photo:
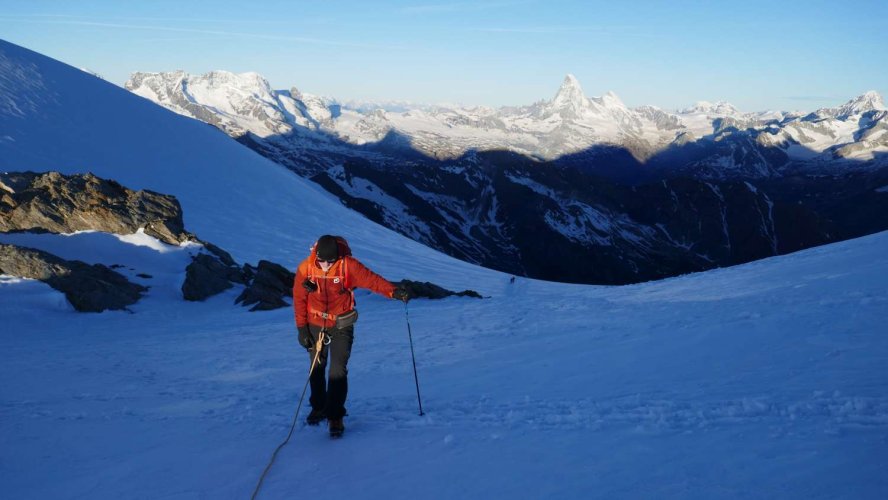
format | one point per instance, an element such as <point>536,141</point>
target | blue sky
<point>755,54</point>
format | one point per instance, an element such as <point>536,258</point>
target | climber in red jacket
<point>323,300</point>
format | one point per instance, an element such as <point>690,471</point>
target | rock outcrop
<point>208,275</point>
<point>56,203</point>
<point>426,290</point>
<point>270,284</point>
<point>89,288</point>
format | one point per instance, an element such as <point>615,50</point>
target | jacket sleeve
<point>361,277</point>
<point>300,297</point>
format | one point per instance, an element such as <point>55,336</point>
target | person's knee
<point>338,372</point>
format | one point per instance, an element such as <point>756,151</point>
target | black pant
<point>331,396</point>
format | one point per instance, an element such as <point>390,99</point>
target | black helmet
<point>328,248</point>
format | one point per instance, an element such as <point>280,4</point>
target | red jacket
<point>334,294</point>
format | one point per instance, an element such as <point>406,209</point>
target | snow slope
<point>766,380</point>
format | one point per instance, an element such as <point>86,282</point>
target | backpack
<point>342,246</point>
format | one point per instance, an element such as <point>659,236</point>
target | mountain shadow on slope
<point>601,215</point>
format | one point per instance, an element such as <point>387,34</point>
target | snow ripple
<point>829,413</point>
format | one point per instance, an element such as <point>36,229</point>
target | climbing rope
<point>318,348</point>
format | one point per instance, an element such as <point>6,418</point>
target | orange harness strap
<point>327,316</point>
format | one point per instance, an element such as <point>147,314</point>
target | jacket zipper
<point>327,295</point>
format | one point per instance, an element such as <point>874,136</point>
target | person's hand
<point>305,339</point>
<point>309,285</point>
<point>401,293</point>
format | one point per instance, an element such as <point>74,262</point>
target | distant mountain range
<point>574,188</point>
<point>570,123</point>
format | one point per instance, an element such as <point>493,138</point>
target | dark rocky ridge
<point>644,231</point>
<point>56,203</point>
<point>270,284</point>
<point>89,288</point>
<point>208,275</point>
<point>426,290</point>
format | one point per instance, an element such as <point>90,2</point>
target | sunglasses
<point>323,261</point>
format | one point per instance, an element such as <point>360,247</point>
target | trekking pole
<point>412,355</point>
<point>318,347</point>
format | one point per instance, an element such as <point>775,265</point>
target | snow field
<point>761,380</point>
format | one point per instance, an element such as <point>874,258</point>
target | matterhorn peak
<point>570,92</point>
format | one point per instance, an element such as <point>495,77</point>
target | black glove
<point>305,339</point>
<point>401,293</point>
<point>309,285</point>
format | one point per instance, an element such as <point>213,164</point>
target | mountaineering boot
<point>336,427</point>
<point>315,417</point>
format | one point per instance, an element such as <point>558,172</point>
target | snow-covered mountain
<point>439,174</point>
<point>856,130</point>
<point>569,123</point>
<point>765,379</point>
